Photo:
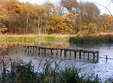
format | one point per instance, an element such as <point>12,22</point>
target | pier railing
<point>65,53</point>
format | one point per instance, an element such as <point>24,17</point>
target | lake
<point>104,68</point>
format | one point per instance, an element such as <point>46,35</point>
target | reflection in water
<point>103,69</point>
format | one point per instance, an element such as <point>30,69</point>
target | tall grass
<point>25,73</point>
<point>31,39</point>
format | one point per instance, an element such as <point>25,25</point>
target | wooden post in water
<point>70,54</point>
<point>26,50</point>
<point>75,54</point>
<point>93,56</point>
<point>56,52</point>
<point>44,51</point>
<point>65,51</point>
<point>97,56</point>
<point>106,59</point>
<point>60,52</point>
<point>38,51</point>
<point>33,50</point>
<point>51,52</point>
<point>80,54</point>
<point>88,55</point>
<point>84,54</point>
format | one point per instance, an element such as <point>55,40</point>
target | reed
<point>21,72</point>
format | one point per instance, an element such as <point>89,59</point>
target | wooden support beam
<point>93,56</point>
<point>80,52</point>
<point>56,52</point>
<point>61,53</point>
<point>88,55</point>
<point>97,56</point>
<point>51,52</point>
<point>70,53</point>
<point>75,54</point>
<point>39,51</point>
<point>44,51</point>
<point>65,53</point>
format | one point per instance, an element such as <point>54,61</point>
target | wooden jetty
<point>66,53</point>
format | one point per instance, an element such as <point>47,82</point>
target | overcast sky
<point>106,3</point>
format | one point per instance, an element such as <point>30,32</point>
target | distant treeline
<point>69,17</point>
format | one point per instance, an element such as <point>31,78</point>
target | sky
<point>105,6</point>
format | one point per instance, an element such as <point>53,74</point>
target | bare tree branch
<point>105,8</point>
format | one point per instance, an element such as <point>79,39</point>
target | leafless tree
<point>69,4</point>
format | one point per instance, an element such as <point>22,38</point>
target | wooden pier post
<point>70,54</point>
<point>56,52</point>
<point>75,54</point>
<point>84,55</point>
<point>33,50</point>
<point>93,56</point>
<point>60,52</point>
<point>44,52</point>
<point>65,53</point>
<point>26,50</point>
<point>29,51</point>
<point>88,55</point>
<point>80,54</point>
<point>97,56</point>
<point>38,51</point>
<point>51,52</point>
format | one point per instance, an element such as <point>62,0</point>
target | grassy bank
<point>31,39</point>
<point>92,39</point>
<point>25,73</point>
<point>43,38</point>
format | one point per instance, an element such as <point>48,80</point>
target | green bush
<point>101,39</point>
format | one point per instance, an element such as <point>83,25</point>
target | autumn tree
<point>70,17</point>
<point>108,22</point>
<point>15,9</point>
<point>83,13</point>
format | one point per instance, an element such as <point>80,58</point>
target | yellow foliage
<point>92,27</point>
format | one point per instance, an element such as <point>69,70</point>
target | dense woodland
<point>69,17</point>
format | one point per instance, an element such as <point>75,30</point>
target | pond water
<point>104,68</point>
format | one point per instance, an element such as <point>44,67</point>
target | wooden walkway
<point>85,55</point>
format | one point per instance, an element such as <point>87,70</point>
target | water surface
<point>104,68</point>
